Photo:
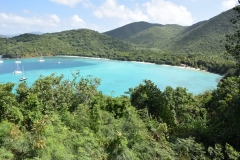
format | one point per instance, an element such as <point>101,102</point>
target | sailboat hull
<point>23,79</point>
<point>17,72</point>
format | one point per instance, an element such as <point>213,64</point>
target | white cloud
<point>77,22</point>
<point>228,4</point>
<point>54,18</point>
<point>11,19</point>
<point>155,11</point>
<point>166,12</point>
<point>18,24</point>
<point>72,3</point>
<point>124,15</point>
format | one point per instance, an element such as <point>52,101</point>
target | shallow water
<point>116,76</point>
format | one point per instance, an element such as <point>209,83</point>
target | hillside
<point>73,42</point>
<point>206,36</point>
<point>130,29</point>
<point>202,37</point>
<point>157,37</point>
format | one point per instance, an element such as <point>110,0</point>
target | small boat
<point>41,59</point>
<point>58,62</point>
<point>18,61</point>
<point>17,71</point>
<point>1,61</point>
<point>23,78</point>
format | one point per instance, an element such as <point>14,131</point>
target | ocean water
<point>116,76</point>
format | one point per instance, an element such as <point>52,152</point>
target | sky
<point>47,16</point>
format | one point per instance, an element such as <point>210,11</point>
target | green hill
<point>157,37</point>
<point>130,29</point>
<point>202,37</point>
<point>206,36</point>
<point>73,42</point>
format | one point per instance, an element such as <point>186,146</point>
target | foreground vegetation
<point>61,119</point>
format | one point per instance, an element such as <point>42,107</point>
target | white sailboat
<point>18,61</point>
<point>23,78</point>
<point>41,59</point>
<point>17,71</point>
<point>1,61</point>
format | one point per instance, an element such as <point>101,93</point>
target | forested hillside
<point>130,29</point>
<point>206,37</point>
<point>157,37</point>
<point>203,37</point>
<point>73,42</point>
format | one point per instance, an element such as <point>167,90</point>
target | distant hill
<point>3,36</point>
<point>130,29</point>
<point>157,36</point>
<point>72,42</point>
<point>202,37</point>
<point>39,33</point>
<point>205,37</point>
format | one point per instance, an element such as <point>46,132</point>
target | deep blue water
<point>116,76</point>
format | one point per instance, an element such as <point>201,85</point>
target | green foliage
<point>231,152</point>
<point>177,108</point>
<point>157,37</point>
<point>216,152</point>
<point>223,112</point>
<point>189,149</point>
<point>60,119</point>
<point>232,41</point>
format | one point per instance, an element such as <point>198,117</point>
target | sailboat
<point>23,78</point>
<point>18,61</point>
<point>1,61</point>
<point>17,71</point>
<point>41,59</point>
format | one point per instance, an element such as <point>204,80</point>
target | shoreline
<point>182,67</point>
<point>187,67</point>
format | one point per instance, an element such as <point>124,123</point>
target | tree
<point>223,113</point>
<point>233,41</point>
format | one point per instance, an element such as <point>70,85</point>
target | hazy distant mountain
<point>3,36</point>
<point>39,33</point>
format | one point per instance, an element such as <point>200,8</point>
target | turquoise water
<point>116,76</point>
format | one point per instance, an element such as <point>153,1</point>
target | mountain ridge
<point>202,37</point>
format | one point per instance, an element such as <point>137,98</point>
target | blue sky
<point>24,16</point>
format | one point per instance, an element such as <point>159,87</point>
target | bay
<point>116,76</point>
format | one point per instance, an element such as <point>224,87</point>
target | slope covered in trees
<point>74,42</point>
<point>157,37</point>
<point>202,37</point>
<point>130,29</point>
